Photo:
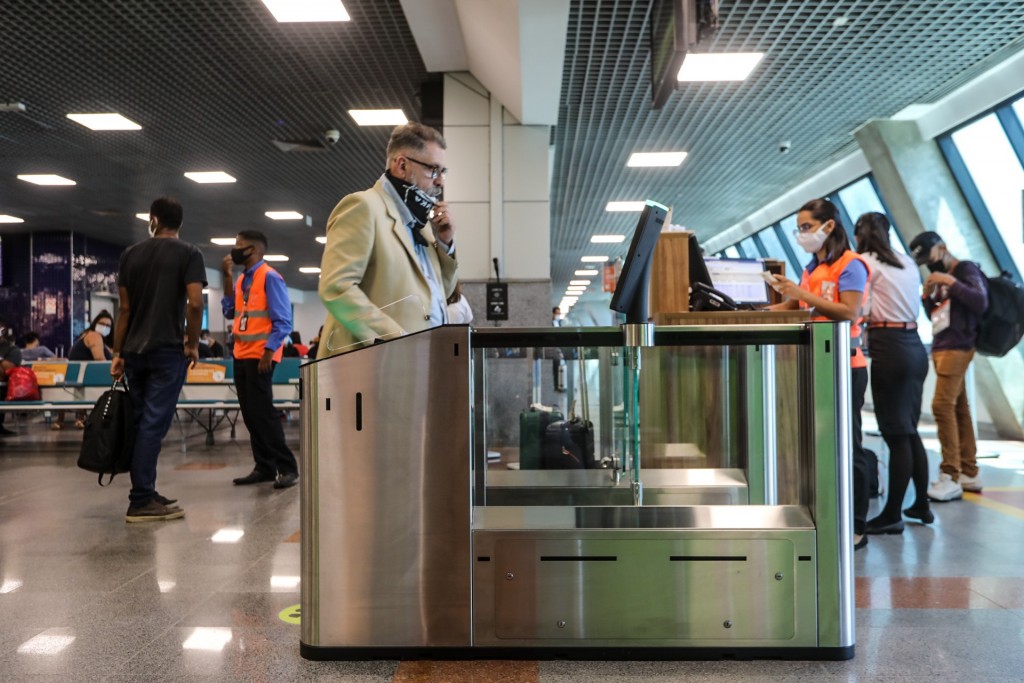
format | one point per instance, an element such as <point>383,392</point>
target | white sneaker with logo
<point>944,489</point>
<point>970,483</point>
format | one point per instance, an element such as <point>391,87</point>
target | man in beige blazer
<point>385,272</point>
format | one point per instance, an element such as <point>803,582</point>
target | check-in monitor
<point>631,290</point>
<point>741,279</point>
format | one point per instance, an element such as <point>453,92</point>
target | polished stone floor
<point>212,597</point>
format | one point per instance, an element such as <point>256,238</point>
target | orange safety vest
<point>815,283</point>
<point>254,313</point>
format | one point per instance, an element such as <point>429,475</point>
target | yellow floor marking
<point>994,505</point>
<point>290,615</point>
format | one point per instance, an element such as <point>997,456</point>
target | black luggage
<point>109,435</point>
<point>569,445</point>
<point>533,424</point>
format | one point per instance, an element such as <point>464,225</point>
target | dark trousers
<point>154,382</point>
<point>262,419</point>
<point>859,385</point>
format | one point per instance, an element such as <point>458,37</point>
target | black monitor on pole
<point>634,281</point>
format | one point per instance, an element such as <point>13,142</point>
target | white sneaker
<point>944,489</point>
<point>970,483</point>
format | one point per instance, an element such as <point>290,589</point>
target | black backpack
<point>109,436</point>
<point>1002,326</point>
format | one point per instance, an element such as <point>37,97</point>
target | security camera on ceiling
<point>332,136</point>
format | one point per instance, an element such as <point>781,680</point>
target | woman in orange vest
<point>833,286</point>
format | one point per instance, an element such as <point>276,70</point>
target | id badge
<point>828,291</point>
<point>243,323</point>
<point>940,317</point>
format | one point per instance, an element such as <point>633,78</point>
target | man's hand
<point>225,269</point>
<point>117,368</point>
<point>938,279</point>
<point>444,228</point>
<point>192,353</point>
<point>266,362</point>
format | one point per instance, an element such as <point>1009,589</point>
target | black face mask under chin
<point>936,266</point>
<point>419,202</point>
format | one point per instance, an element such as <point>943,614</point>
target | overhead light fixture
<point>585,283</point>
<point>839,22</point>
<point>46,179</point>
<point>110,121</point>
<point>321,239</point>
<point>142,216</point>
<point>607,239</point>
<point>586,271</point>
<point>223,241</point>
<point>228,536</point>
<point>292,11</point>
<point>207,638</point>
<point>275,257</point>
<point>378,117</point>
<point>577,290</point>
<point>205,177</point>
<point>309,269</point>
<point>625,206</point>
<point>718,66</point>
<point>284,215</point>
<point>594,259</point>
<point>650,159</point>
<point>4,218</point>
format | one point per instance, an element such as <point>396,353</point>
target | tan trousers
<point>953,414</point>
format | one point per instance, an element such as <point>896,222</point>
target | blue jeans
<point>154,382</point>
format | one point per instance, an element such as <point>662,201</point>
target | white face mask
<point>104,330</point>
<point>812,242</point>
<point>152,228</point>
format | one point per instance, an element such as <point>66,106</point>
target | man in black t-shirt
<point>161,283</point>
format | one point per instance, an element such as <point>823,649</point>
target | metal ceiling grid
<point>820,79</point>
<point>212,82</point>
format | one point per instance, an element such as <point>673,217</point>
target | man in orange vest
<point>262,320</point>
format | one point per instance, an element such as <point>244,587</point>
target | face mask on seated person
<point>104,330</point>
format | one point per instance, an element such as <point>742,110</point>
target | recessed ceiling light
<point>625,206</point>
<point>104,121</point>
<point>586,271</point>
<point>576,288</point>
<point>289,11</point>
<point>607,239</point>
<point>46,179</point>
<point>224,241</point>
<point>321,239</point>
<point>579,282</point>
<point>4,218</point>
<point>142,216</point>
<point>644,159</point>
<point>309,269</point>
<point>228,536</point>
<point>718,66</point>
<point>378,117</point>
<point>210,177</point>
<point>284,215</point>
<point>594,259</point>
<point>840,21</point>
<point>275,257</point>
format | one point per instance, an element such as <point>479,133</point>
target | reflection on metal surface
<point>638,334</point>
<point>703,517</point>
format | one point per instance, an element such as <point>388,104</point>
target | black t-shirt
<point>155,273</point>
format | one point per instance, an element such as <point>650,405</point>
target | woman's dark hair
<point>296,337</point>
<point>872,233</point>
<point>31,337</point>
<point>99,316</point>
<point>837,243</point>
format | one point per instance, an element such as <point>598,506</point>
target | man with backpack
<point>955,297</point>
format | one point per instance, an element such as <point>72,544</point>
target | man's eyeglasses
<point>434,170</point>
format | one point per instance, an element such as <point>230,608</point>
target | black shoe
<point>164,501</point>
<point>862,543</point>
<point>286,480</point>
<point>921,514</point>
<point>253,477</point>
<point>879,526</point>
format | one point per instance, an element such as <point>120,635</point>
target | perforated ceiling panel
<point>829,66</point>
<point>211,82</point>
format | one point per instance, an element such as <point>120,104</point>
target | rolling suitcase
<point>533,424</point>
<point>569,444</point>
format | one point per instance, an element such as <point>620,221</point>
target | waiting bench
<point>208,396</point>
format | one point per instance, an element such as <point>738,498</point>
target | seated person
<point>33,350</point>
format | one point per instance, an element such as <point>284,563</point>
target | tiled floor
<point>85,597</point>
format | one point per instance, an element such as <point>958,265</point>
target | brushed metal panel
<point>392,510</point>
<point>670,588</point>
<point>693,517</point>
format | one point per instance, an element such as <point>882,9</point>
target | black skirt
<point>899,365</point>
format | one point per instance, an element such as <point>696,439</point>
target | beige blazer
<point>370,278</point>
